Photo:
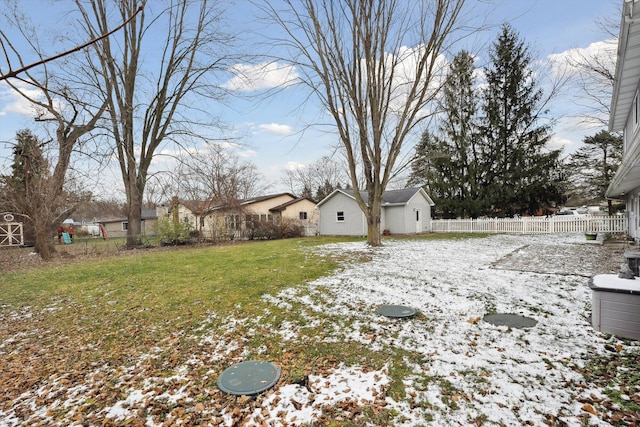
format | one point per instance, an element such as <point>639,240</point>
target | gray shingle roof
<point>390,196</point>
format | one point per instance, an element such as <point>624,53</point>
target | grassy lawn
<point>104,314</point>
<point>78,335</point>
<point>128,301</point>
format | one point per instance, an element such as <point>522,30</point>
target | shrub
<point>171,232</point>
<point>269,231</point>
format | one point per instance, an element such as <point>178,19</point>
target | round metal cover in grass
<point>248,378</point>
<point>510,320</point>
<point>396,311</point>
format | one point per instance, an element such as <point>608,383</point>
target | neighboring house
<point>301,211</point>
<point>404,211</point>
<point>625,115</point>
<point>193,211</point>
<point>237,220</point>
<point>117,227</point>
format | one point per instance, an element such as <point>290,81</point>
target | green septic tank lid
<point>248,378</point>
<point>396,311</point>
<point>510,320</point>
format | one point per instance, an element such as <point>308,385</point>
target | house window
<point>340,216</point>
<point>252,221</point>
<point>303,215</point>
<point>265,218</point>
<point>125,226</point>
<point>233,222</point>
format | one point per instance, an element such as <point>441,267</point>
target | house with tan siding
<point>239,219</point>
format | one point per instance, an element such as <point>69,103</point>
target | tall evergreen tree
<point>433,171</point>
<point>324,190</point>
<point>448,160</point>
<point>29,165</point>
<point>522,175</point>
<point>34,191</point>
<point>488,154</point>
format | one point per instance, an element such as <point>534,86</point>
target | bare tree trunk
<point>134,213</point>
<point>44,239</point>
<point>373,226</point>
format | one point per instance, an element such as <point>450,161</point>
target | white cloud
<point>556,142</point>
<point>246,153</point>
<point>12,103</point>
<point>276,128</point>
<point>404,64</point>
<point>604,52</point>
<point>292,166</point>
<point>267,75</point>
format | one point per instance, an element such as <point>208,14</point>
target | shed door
<point>418,221</point>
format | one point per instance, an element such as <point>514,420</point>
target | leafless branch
<point>15,73</point>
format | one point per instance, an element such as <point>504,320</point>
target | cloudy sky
<point>273,132</point>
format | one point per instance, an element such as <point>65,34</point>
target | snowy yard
<point>463,370</point>
<point>485,373</point>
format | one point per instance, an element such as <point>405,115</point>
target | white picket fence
<point>532,225</point>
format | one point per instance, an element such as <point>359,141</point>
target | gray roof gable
<point>390,197</point>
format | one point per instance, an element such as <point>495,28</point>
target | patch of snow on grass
<point>294,404</point>
<point>474,370</point>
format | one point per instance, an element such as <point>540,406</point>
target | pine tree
<point>447,162</point>
<point>595,163</point>
<point>324,190</point>
<point>306,192</point>
<point>432,170</point>
<point>522,175</point>
<point>29,167</point>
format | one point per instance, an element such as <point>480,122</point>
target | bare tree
<point>353,55</point>
<point>65,111</point>
<point>8,49</point>
<point>155,102</point>
<point>216,176</point>
<point>594,73</point>
<point>595,77</point>
<point>325,174</point>
<point>36,191</point>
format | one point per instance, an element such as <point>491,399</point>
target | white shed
<point>406,211</point>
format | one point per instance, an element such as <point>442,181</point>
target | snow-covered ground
<point>497,374</point>
<point>469,371</point>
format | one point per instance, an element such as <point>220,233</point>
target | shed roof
<point>389,197</point>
